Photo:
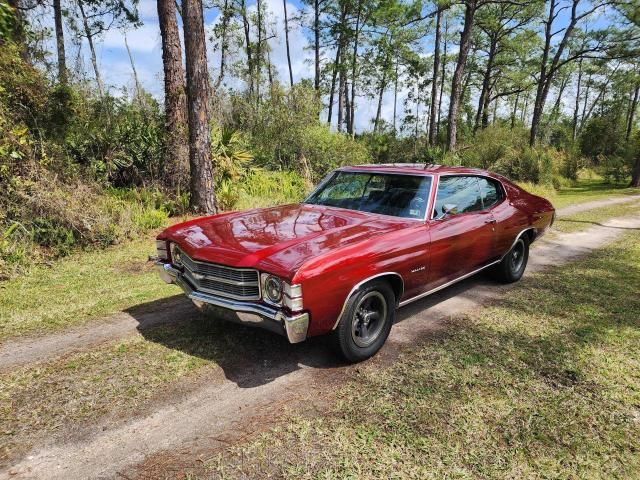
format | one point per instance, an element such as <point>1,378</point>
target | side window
<point>490,190</point>
<point>458,192</point>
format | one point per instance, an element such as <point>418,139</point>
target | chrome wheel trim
<point>516,256</point>
<point>369,318</point>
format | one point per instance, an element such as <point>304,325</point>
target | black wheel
<point>514,263</point>
<point>366,321</point>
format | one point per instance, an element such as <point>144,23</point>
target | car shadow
<point>250,357</point>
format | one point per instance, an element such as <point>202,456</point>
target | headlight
<point>161,249</point>
<point>272,287</point>
<point>176,254</point>
<point>278,292</point>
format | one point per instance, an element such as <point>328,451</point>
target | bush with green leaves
<point>284,132</point>
<point>118,140</point>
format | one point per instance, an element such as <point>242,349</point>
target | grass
<point>588,218</point>
<point>78,288</point>
<point>587,190</point>
<point>545,384</point>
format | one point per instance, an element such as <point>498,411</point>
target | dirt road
<point>217,414</point>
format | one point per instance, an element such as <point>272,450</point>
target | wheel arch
<point>529,232</point>
<point>394,279</point>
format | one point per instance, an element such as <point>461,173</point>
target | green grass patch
<point>80,287</point>
<point>587,190</point>
<point>545,384</point>
<point>589,218</point>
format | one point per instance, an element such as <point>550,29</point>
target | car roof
<point>414,169</point>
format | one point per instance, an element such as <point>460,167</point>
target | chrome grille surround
<point>236,283</point>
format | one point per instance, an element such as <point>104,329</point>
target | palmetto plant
<point>230,159</point>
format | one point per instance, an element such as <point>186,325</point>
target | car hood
<point>279,239</point>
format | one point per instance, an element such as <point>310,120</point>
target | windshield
<point>388,194</point>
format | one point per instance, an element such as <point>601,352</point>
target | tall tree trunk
<point>515,111</point>
<point>347,107</point>
<point>635,176</point>
<point>632,112</point>
<point>139,91</point>
<point>62,62</point>
<point>286,39</point>
<point>395,95</point>
<point>316,44</point>
<point>341,90</point>
<point>494,118</point>
<point>354,70</point>
<point>224,43</point>
<point>434,81</point>
<point>176,154</point>
<point>585,103</point>
<point>555,111</point>
<point>18,30</point>
<point>94,58</point>
<point>576,109</point>
<point>383,86</point>
<point>258,69</point>
<point>269,67</point>
<point>483,101</point>
<point>247,42</point>
<point>202,187</point>
<point>485,109</point>
<point>456,83</point>
<point>548,71</point>
<point>334,76</point>
<point>443,80</point>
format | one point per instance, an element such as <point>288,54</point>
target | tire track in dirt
<point>220,411</point>
<point>583,207</point>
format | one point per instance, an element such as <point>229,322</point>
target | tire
<point>366,321</point>
<point>514,263</point>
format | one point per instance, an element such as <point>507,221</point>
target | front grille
<point>237,283</point>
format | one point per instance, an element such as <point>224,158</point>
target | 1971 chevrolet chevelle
<point>369,239</point>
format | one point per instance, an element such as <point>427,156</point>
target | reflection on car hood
<point>277,239</point>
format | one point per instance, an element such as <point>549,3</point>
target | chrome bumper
<point>294,327</point>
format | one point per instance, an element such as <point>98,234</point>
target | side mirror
<point>447,209</point>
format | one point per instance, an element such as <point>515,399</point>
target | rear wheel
<point>514,263</point>
<point>366,321</point>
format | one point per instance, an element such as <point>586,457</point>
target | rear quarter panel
<point>527,211</point>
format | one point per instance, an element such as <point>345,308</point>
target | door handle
<point>493,220</point>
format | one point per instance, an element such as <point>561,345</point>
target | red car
<point>368,240</point>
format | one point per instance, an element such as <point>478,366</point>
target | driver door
<point>462,233</point>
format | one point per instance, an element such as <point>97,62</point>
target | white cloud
<point>148,9</point>
<point>144,39</point>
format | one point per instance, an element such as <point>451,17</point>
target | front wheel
<point>514,263</point>
<point>366,322</point>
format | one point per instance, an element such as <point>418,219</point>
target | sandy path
<point>220,411</point>
<point>28,350</point>
<point>583,207</point>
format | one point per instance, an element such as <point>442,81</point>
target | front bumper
<point>294,326</point>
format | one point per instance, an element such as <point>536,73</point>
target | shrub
<point>322,150</point>
<point>615,168</point>
<point>546,191</point>
<point>262,188</point>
